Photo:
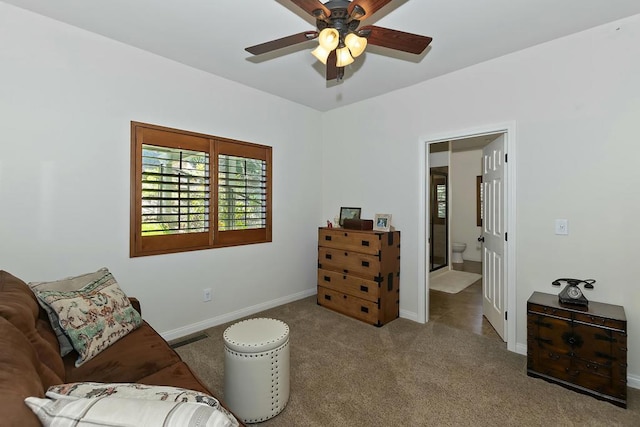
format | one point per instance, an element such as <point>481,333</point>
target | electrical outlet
<point>206,295</point>
<point>562,226</point>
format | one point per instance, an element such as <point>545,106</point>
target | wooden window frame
<point>142,133</point>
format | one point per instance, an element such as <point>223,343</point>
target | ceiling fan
<point>340,39</point>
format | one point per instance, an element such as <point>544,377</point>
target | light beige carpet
<point>347,373</point>
<point>452,281</point>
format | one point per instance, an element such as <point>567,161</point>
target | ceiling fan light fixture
<point>321,54</point>
<point>329,39</point>
<point>343,57</point>
<point>340,39</point>
<point>356,44</point>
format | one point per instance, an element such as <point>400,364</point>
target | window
<point>191,191</point>
<point>441,197</point>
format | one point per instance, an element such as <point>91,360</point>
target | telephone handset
<point>572,294</point>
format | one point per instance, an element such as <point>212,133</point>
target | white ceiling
<point>211,35</point>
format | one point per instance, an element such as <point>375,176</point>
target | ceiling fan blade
<point>311,6</point>
<point>394,39</point>
<point>370,7</point>
<point>332,69</point>
<point>283,42</point>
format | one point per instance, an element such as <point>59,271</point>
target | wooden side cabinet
<point>584,349</point>
<point>359,273</point>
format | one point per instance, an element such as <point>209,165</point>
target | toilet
<point>457,249</point>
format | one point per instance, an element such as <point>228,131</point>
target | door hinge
<point>505,316</point>
<point>506,237</point>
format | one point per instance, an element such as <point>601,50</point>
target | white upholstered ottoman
<point>256,368</point>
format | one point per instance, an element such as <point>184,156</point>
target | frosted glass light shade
<point>343,57</point>
<point>356,44</point>
<point>329,39</point>
<point>321,54</point>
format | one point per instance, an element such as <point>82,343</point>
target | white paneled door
<point>493,233</point>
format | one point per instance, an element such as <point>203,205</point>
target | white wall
<point>67,97</point>
<point>576,103</point>
<point>465,167</point>
<point>439,159</point>
<point>66,101</point>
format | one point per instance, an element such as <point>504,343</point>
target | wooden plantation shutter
<point>191,191</point>
<point>175,191</point>
<point>243,183</point>
<point>161,222</point>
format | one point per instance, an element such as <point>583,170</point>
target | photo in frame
<point>349,213</point>
<point>382,222</point>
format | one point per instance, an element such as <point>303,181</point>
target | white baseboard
<point>633,381</point>
<point>521,349</point>
<point>409,315</point>
<point>229,317</point>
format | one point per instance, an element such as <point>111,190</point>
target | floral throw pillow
<point>72,283</point>
<point>93,317</point>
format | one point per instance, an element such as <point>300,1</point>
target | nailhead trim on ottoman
<point>256,361</point>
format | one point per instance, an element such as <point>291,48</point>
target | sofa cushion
<point>21,375</point>
<point>113,411</point>
<point>19,308</point>
<point>138,354</point>
<point>72,283</point>
<point>93,317</point>
<point>179,374</point>
<point>29,363</point>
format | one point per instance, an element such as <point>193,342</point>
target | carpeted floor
<point>452,281</point>
<point>347,373</point>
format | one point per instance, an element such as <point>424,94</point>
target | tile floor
<point>464,309</point>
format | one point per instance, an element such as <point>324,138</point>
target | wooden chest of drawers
<point>359,273</point>
<point>578,348</point>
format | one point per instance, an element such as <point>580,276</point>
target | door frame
<point>509,131</point>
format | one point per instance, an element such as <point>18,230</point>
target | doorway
<point>507,131</point>
<point>456,294</point>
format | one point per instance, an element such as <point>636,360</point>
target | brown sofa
<point>30,358</point>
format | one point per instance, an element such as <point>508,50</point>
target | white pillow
<point>113,411</point>
<point>132,391</point>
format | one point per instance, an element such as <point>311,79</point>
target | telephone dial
<point>572,294</point>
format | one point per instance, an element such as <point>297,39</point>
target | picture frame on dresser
<point>349,213</point>
<point>382,222</point>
